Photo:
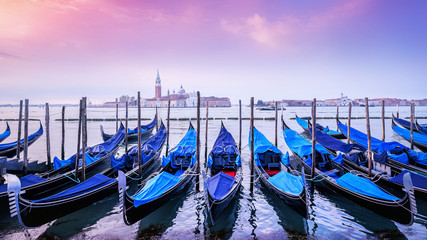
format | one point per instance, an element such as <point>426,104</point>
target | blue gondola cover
<point>58,163</point>
<point>15,143</point>
<point>219,185</point>
<point>262,145</point>
<point>144,128</point>
<point>364,186</point>
<point>287,182</point>
<point>27,180</point>
<point>418,180</point>
<point>405,133</point>
<point>299,145</point>
<point>91,184</point>
<point>6,133</point>
<point>186,147</point>
<point>224,145</point>
<point>331,142</point>
<point>377,145</point>
<point>148,150</point>
<point>155,187</point>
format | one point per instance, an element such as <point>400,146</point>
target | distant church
<point>181,99</point>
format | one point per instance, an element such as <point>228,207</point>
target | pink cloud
<point>288,29</point>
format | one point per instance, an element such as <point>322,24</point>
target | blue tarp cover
<point>93,153</point>
<point>219,185</point>
<point>262,145</point>
<point>361,138</point>
<point>403,122</point>
<point>58,163</point>
<point>154,188</point>
<point>148,150</point>
<point>6,133</point>
<point>28,180</point>
<point>331,142</point>
<point>91,184</point>
<point>30,137</point>
<point>287,182</point>
<point>185,147</point>
<point>224,145</point>
<point>300,145</point>
<point>104,148</point>
<point>304,124</point>
<point>364,186</point>
<point>144,128</point>
<point>417,179</point>
<point>405,133</point>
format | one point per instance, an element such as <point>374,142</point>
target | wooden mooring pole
<point>139,136</point>
<point>348,123</point>
<point>368,131</point>
<point>117,115</point>
<point>240,125</point>
<point>157,121</point>
<point>383,119</point>
<point>412,125</point>
<point>275,124</point>
<point>252,146</point>
<point>25,138</point>
<point>47,119</point>
<point>397,110</point>
<point>338,114</point>
<point>206,131</point>
<point>79,134</point>
<point>63,134</point>
<point>18,150</point>
<point>167,131</point>
<point>198,143</point>
<point>126,126</point>
<point>84,138</point>
<point>313,138</point>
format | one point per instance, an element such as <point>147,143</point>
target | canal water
<point>259,215</point>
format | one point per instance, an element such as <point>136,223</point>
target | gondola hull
<point>131,137</point>
<point>296,202</point>
<point>217,207</point>
<point>133,214</point>
<point>57,180</point>
<point>394,210</point>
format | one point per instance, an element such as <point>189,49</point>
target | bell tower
<point>158,88</point>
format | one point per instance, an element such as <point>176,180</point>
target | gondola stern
<point>13,191</point>
<point>284,126</point>
<point>122,189</point>
<point>208,212</point>
<point>409,189</point>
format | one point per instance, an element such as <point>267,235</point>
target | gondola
<point>9,149</point>
<point>177,170</point>
<point>407,125</point>
<point>397,154</point>
<point>133,133</point>
<point>275,172</point>
<point>34,213</point>
<point>420,140</point>
<point>223,174</point>
<point>332,133</point>
<point>355,160</point>
<point>355,188</point>
<point>6,133</point>
<point>43,185</point>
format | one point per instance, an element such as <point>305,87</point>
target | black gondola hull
<point>394,210</point>
<point>218,207</point>
<point>132,214</point>
<point>296,202</point>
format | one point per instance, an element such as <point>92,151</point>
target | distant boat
<point>268,108</point>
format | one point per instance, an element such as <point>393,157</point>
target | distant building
<point>181,99</point>
<point>343,100</point>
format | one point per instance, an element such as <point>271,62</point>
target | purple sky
<point>57,51</point>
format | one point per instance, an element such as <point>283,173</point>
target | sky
<point>58,51</point>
